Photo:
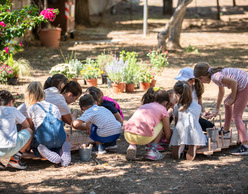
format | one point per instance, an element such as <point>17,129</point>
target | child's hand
<point>74,115</point>
<point>207,115</point>
<point>215,112</point>
<point>229,101</point>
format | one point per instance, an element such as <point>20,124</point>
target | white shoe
<point>131,152</point>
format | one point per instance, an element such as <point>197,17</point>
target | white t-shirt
<point>37,114</point>
<point>53,96</point>
<point>9,116</point>
<point>194,96</point>
<point>23,109</point>
<point>104,120</point>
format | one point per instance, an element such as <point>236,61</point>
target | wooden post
<point>237,137</point>
<point>230,135</point>
<point>218,143</point>
<point>70,129</point>
<point>145,16</point>
<point>222,139</point>
<point>209,144</point>
<point>220,120</point>
<point>214,121</point>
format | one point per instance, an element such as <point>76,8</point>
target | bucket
<point>212,133</point>
<point>85,154</point>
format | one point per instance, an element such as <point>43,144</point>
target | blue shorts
<point>22,138</point>
<point>95,137</point>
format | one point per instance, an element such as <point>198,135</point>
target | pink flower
<point>21,44</point>
<point>150,50</point>
<point>2,24</point>
<point>6,49</point>
<point>48,14</point>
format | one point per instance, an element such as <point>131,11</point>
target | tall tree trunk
<point>174,39</point>
<point>167,7</point>
<point>82,15</point>
<point>162,36</point>
<point>218,10</point>
<point>234,3</point>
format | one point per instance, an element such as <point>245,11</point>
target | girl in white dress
<point>187,129</point>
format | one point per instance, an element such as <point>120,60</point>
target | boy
<point>12,143</point>
<point>104,129</point>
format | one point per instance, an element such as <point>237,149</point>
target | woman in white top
<point>61,93</point>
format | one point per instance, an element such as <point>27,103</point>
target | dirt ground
<point>221,43</point>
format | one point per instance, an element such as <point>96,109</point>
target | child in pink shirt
<point>235,103</point>
<point>148,123</point>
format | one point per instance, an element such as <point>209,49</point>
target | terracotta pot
<point>91,82</point>
<point>144,86</point>
<point>104,78</point>
<point>153,83</point>
<point>50,37</point>
<point>122,86</point>
<point>116,87</point>
<point>74,79</point>
<point>13,81</point>
<point>130,87</point>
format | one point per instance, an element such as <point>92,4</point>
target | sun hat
<point>185,74</point>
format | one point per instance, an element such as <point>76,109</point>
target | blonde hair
<point>204,69</point>
<point>184,90</point>
<point>34,93</point>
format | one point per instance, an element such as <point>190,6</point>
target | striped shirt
<point>104,120</point>
<point>239,75</point>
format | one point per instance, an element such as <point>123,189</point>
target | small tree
<point>13,24</point>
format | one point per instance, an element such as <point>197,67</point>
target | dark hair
<point>55,81</point>
<point>73,87</point>
<point>96,93</point>
<point>5,98</point>
<point>202,69</point>
<point>86,100</point>
<point>184,90</point>
<point>199,88</point>
<point>155,95</point>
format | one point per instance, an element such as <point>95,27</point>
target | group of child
<point>45,111</point>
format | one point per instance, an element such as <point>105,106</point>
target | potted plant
<point>145,77</point>
<point>65,69</point>
<point>131,70</point>
<point>6,73</point>
<point>90,72</point>
<point>115,70</point>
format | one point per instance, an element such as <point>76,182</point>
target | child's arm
<point>219,100</point>
<point>25,124</point>
<point>118,117</point>
<point>202,107</point>
<point>166,125</point>
<point>67,118</point>
<point>77,124</point>
<point>30,122</point>
<point>232,83</point>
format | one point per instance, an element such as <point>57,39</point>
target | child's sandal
<point>191,153</point>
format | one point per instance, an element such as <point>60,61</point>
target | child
<point>45,119</point>
<point>111,105</point>
<point>187,74</point>
<point>235,103</point>
<point>12,143</point>
<point>187,130</point>
<point>148,124</point>
<point>104,129</point>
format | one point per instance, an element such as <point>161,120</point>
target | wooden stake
<point>214,121</point>
<point>230,135</point>
<point>209,144</point>
<point>70,129</point>
<point>220,120</point>
<point>238,137</point>
<point>218,143</point>
<point>222,139</point>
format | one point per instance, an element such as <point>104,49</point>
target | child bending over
<point>187,130</point>
<point>104,127</point>
<point>45,119</point>
<point>148,124</point>
<point>12,143</point>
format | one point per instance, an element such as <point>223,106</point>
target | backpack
<point>51,131</point>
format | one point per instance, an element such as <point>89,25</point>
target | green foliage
<point>145,74</point>
<point>158,60</point>
<point>90,70</point>
<point>190,49</point>
<point>103,59</point>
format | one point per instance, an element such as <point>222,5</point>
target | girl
<point>148,124</point>
<point>61,93</point>
<point>45,119</point>
<point>187,74</point>
<point>187,130</point>
<point>235,103</point>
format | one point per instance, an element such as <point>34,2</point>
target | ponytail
<point>149,96</point>
<point>185,92</point>
<point>204,69</point>
<point>199,88</point>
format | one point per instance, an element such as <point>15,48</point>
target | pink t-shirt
<point>145,119</point>
<point>237,74</point>
<point>116,104</point>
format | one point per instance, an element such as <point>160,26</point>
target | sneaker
<point>163,141</point>
<point>191,152</point>
<point>111,146</point>
<point>131,153</point>
<point>16,163</point>
<point>177,151</point>
<point>159,148</point>
<point>226,134</point>
<point>154,155</point>
<point>101,149</point>
<point>2,166</point>
<point>242,150</point>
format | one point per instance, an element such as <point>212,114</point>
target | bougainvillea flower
<point>6,49</point>
<point>2,24</point>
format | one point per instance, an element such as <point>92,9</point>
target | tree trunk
<point>234,3</point>
<point>218,10</point>
<point>167,7</point>
<point>82,15</point>
<point>162,36</point>
<point>174,39</point>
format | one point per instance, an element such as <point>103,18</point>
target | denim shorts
<point>95,137</point>
<point>22,138</point>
